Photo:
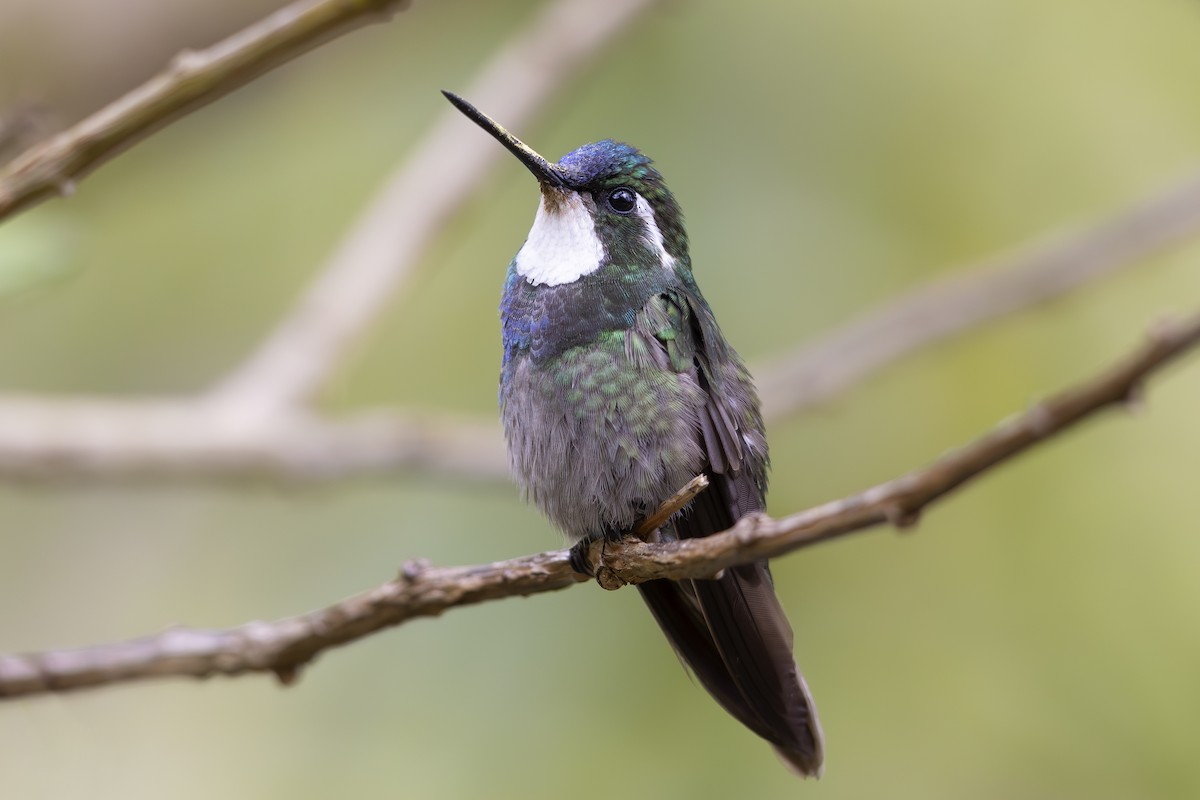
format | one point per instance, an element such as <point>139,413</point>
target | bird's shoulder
<point>676,330</point>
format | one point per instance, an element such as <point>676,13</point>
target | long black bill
<point>543,170</point>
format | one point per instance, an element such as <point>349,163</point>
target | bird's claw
<point>580,557</point>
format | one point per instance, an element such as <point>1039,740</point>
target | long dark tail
<point>733,635</point>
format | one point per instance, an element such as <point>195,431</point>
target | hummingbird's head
<point>602,205</point>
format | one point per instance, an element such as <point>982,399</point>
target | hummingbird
<point>616,389</point>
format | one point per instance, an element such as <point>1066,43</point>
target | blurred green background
<point>1036,637</point>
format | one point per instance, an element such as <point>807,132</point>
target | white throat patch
<point>562,245</point>
<point>654,236</point>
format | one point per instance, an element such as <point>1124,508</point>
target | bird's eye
<point>622,200</point>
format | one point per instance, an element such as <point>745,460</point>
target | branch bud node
<point>412,569</point>
<point>608,579</point>
<point>287,675</point>
<point>901,518</point>
<point>1135,398</point>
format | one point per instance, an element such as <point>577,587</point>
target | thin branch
<point>971,297</point>
<point>282,647</point>
<point>192,80</point>
<point>672,506</point>
<point>439,176</point>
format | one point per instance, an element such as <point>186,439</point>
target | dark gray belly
<point>594,440</point>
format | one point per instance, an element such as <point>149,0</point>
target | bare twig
<point>192,80</point>
<point>282,647</point>
<point>437,178</point>
<point>970,297</point>
<point>672,506</point>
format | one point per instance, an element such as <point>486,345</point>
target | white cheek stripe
<point>654,237</point>
<point>562,245</point>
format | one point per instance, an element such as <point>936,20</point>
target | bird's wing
<point>730,631</point>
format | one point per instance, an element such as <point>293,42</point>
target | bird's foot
<point>580,557</point>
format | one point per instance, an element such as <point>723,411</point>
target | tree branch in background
<point>20,125</point>
<point>968,298</point>
<point>437,179</point>
<point>47,439</point>
<point>193,79</point>
<point>256,421</point>
<point>43,438</point>
<point>282,647</point>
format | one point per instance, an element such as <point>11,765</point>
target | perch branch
<point>901,501</point>
<point>282,647</point>
<point>192,80</point>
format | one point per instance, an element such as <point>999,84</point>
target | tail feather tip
<point>805,763</point>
